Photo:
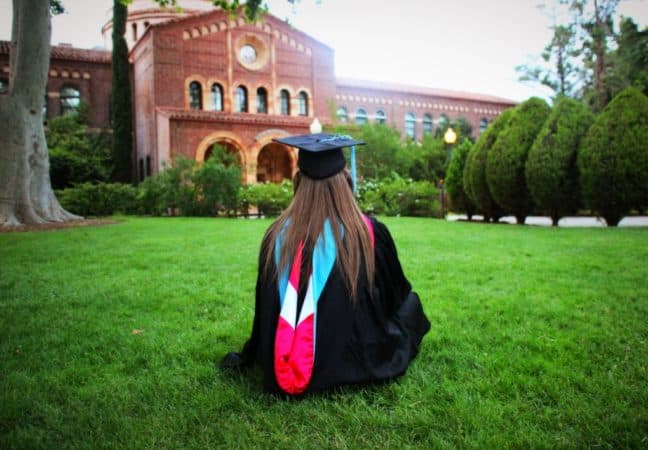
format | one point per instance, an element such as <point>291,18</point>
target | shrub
<point>216,187</point>
<point>399,197</point>
<point>459,200</point>
<point>101,199</point>
<point>269,198</point>
<point>77,155</point>
<point>551,170</point>
<point>613,159</point>
<point>425,160</point>
<point>475,170</point>
<point>507,158</point>
<point>151,196</point>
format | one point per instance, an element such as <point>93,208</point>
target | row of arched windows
<point>241,99</point>
<point>361,118</point>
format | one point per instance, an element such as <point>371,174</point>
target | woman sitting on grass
<point>333,306</point>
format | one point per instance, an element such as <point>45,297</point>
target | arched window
<point>361,117</point>
<point>427,124</point>
<point>217,97</point>
<point>241,99</point>
<point>380,117</point>
<point>4,85</point>
<point>195,95</point>
<point>70,99</point>
<point>134,32</point>
<point>262,101</point>
<point>303,103</point>
<point>284,102</point>
<point>444,122</point>
<point>483,123</point>
<point>342,114</point>
<point>410,125</point>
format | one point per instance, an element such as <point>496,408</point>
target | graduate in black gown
<point>333,306</point>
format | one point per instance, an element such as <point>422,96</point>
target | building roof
<point>421,90</point>
<point>68,53</point>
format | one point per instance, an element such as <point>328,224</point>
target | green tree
<point>426,160</point>
<point>217,182</point>
<point>475,170</point>
<point>613,159</point>
<point>459,200</point>
<point>381,155</point>
<point>551,170</point>
<point>120,99</point>
<point>507,158</point>
<point>76,154</point>
<point>629,62</point>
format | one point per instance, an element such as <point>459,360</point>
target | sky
<point>464,45</point>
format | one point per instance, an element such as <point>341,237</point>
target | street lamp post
<point>450,137</point>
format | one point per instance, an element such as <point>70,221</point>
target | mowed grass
<point>110,337</point>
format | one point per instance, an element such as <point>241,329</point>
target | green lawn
<point>109,338</point>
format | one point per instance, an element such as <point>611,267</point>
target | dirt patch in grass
<point>58,225</point>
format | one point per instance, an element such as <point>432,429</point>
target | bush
<point>216,187</point>
<point>101,199</point>
<point>459,199</point>
<point>425,160</point>
<point>551,170</point>
<point>475,170</point>
<point>151,196</point>
<point>613,159</point>
<point>506,160</point>
<point>77,155</point>
<point>269,198</point>
<point>399,197</point>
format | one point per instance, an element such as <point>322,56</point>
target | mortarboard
<point>320,154</point>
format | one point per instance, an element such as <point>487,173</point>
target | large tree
<point>26,195</point>
<point>120,98</point>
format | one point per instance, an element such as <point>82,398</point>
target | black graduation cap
<point>320,154</point>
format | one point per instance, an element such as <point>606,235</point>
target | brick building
<point>202,78</point>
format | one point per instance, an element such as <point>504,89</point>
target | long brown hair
<point>313,203</point>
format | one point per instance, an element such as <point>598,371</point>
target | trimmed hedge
<point>399,197</point>
<point>505,163</point>
<point>459,200</point>
<point>475,170</point>
<point>102,199</point>
<point>613,159</point>
<point>551,170</point>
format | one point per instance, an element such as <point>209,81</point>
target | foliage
<point>101,199</point>
<point>398,196</point>
<point>629,62</point>
<point>425,160</point>
<point>109,336</point>
<point>382,153</point>
<point>120,98</point>
<point>506,160</point>
<point>475,170</point>
<point>460,125</point>
<point>77,155</point>
<point>454,182</point>
<point>269,198</point>
<point>551,170</point>
<point>613,160</point>
<point>151,196</point>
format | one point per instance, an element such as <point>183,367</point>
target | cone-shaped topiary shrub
<point>613,158</point>
<point>551,170</point>
<point>459,200</point>
<point>506,160</point>
<point>475,170</point>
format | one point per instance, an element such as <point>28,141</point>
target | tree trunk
<point>26,195</point>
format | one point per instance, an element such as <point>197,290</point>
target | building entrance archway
<point>274,164</point>
<point>231,155</point>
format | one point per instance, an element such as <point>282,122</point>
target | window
<point>483,123</point>
<point>284,102</point>
<point>4,85</point>
<point>217,97</point>
<point>380,117</point>
<point>134,32</point>
<point>195,95</point>
<point>444,122</point>
<point>410,125</point>
<point>70,100</point>
<point>361,117</point>
<point>45,108</point>
<point>342,114</point>
<point>262,101</point>
<point>241,99</point>
<point>427,124</point>
<point>141,169</point>
<point>148,165</point>
<point>303,103</point>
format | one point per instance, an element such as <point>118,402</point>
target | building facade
<point>202,78</point>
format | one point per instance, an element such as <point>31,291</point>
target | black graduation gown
<point>370,340</point>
